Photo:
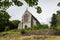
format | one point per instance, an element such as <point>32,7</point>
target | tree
<point>5,4</point>
<point>58,14</point>
<point>4,19</point>
<point>54,21</point>
<point>58,18</point>
<point>15,23</point>
<point>58,4</point>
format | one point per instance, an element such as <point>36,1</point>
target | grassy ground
<point>16,35</point>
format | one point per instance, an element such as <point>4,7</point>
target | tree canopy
<point>5,23</point>
<point>4,4</point>
<point>54,21</point>
<point>4,19</point>
<point>58,4</point>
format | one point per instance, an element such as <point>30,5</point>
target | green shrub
<point>36,27</point>
<point>6,28</point>
<point>22,31</point>
<point>45,27</point>
<point>58,27</point>
<point>41,27</point>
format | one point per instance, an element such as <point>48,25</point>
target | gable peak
<point>26,8</point>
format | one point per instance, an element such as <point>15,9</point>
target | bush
<point>36,27</point>
<point>45,27</point>
<point>2,29</point>
<point>22,31</point>
<point>41,27</point>
<point>58,27</point>
<point>6,28</point>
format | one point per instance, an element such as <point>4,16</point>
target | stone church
<point>28,20</point>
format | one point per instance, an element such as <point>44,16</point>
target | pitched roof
<point>31,14</point>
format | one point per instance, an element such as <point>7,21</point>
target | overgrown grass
<point>40,27</point>
<point>16,34</point>
<point>22,31</point>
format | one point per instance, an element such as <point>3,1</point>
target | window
<point>26,18</point>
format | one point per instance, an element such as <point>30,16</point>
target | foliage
<point>32,2</point>
<point>15,23</point>
<point>7,3</point>
<point>15,35</point>
<point>44,27</point>
<point>4,15</point>
<point>22,31</point>
<point>58,4</point>
<point>58,27</point>
<point>58,12</point>
<point>39,27</point>
<point>54,21</point>
<point>5,23</point>
<point>4,19</point>
<point>12,25</point>
<point>58,17</point>
<point>17,3</point>
<point>38,9</point>
<point>6,28</point>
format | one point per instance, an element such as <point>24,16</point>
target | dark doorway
<point>25,26</point>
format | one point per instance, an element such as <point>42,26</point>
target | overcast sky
<point>48,8</point>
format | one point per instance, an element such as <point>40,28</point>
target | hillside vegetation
<point>16,35</point>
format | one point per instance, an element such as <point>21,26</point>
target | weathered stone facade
<point>28,20</point>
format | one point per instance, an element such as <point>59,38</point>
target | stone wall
<point>43,32</point>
